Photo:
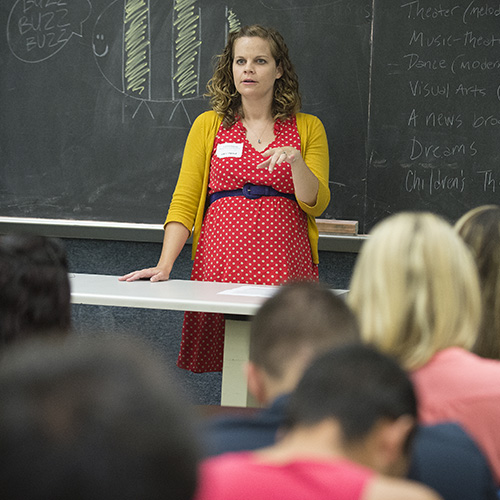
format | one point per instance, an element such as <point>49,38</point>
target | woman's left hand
<point>279,155</point>
<point>305,183</point>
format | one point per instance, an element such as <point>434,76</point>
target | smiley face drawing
<point>100,47</point>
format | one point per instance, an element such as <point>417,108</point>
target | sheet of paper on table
<point>251,291</point>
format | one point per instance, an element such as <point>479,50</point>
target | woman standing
<point>253,178</point>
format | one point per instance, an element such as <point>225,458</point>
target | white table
<point>238,306</point>
<point>184,295</point>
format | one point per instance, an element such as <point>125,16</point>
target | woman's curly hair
<point>225,99</point>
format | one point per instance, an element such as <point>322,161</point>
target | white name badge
<point>229,150</point>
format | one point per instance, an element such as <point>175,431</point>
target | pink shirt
<point>456,385</point>
<point>242,476</point>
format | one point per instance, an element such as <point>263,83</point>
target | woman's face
<point>254,68</point>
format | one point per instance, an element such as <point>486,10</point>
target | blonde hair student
<point>415,288</point>
<point>415,291</point>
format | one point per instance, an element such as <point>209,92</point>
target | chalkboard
<point>434,113</point>
<point>93,122</point>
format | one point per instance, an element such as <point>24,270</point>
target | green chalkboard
<point>97,97</point>
<point>434,119</point>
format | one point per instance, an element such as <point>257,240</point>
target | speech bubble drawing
<point>38,29</point>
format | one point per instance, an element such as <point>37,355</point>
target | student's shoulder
<point>220,477</point>
<point>386,488</point>
<point>237,433</point>
<point>233,464</point>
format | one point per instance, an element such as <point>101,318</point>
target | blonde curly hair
<point>225,99</point>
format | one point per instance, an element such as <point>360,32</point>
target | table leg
<point>234,390</point>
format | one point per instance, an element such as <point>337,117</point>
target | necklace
<point>259,138</point>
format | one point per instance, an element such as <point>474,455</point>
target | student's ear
<point>256,382</point>
<point>393,445</point>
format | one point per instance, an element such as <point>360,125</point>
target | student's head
<point>301,320</point>
<point>92,420</point>
<point>415,288</point>
<point>480,229</point>
<point>368,396</point>
<point>224,97</point>
<point>34,287</point>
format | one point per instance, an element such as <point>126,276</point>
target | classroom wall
<point>162,329</point>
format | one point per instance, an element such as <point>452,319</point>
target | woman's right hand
<point>174,238</point>
<point>151,273</point>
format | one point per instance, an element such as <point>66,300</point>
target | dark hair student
<point>356,385</point>
<point>92,419</point>
<point>348,431</point>
<point>34,287</point>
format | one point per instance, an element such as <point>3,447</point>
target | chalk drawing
<point>38,30</point>
<point>122,43</point>
<point>136,46</point>
<point>186,45</point>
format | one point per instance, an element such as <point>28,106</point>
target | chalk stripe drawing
<point>137,47</point>
<point>128,60</point>
<point>233,21</point>
<point>186,44</point>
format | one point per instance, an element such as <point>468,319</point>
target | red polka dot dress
<point>252,241</point>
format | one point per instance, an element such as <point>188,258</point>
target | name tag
<point>229,150</point>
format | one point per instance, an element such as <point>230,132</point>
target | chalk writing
<point>442,59</point>
<point>446,182</point>
<point>471,90</point>
<point>474,10</point>
<point>450,120</point>
<point>428,89</point>
<point>485,121</point>
<point>461,63</point>
<point>434,181</point>
<point>416,62</point>
<point>489,182</point>
<point>419,150</point>
<point>470,39</point>
<point>439,40</point>
<point>39,29</point>
<point>416,11</point>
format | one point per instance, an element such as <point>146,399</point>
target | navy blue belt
<point>250,191</point>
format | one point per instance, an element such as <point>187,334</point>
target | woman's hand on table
<point>151,273</point>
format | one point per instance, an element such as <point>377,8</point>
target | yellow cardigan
<point>189,199</point>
